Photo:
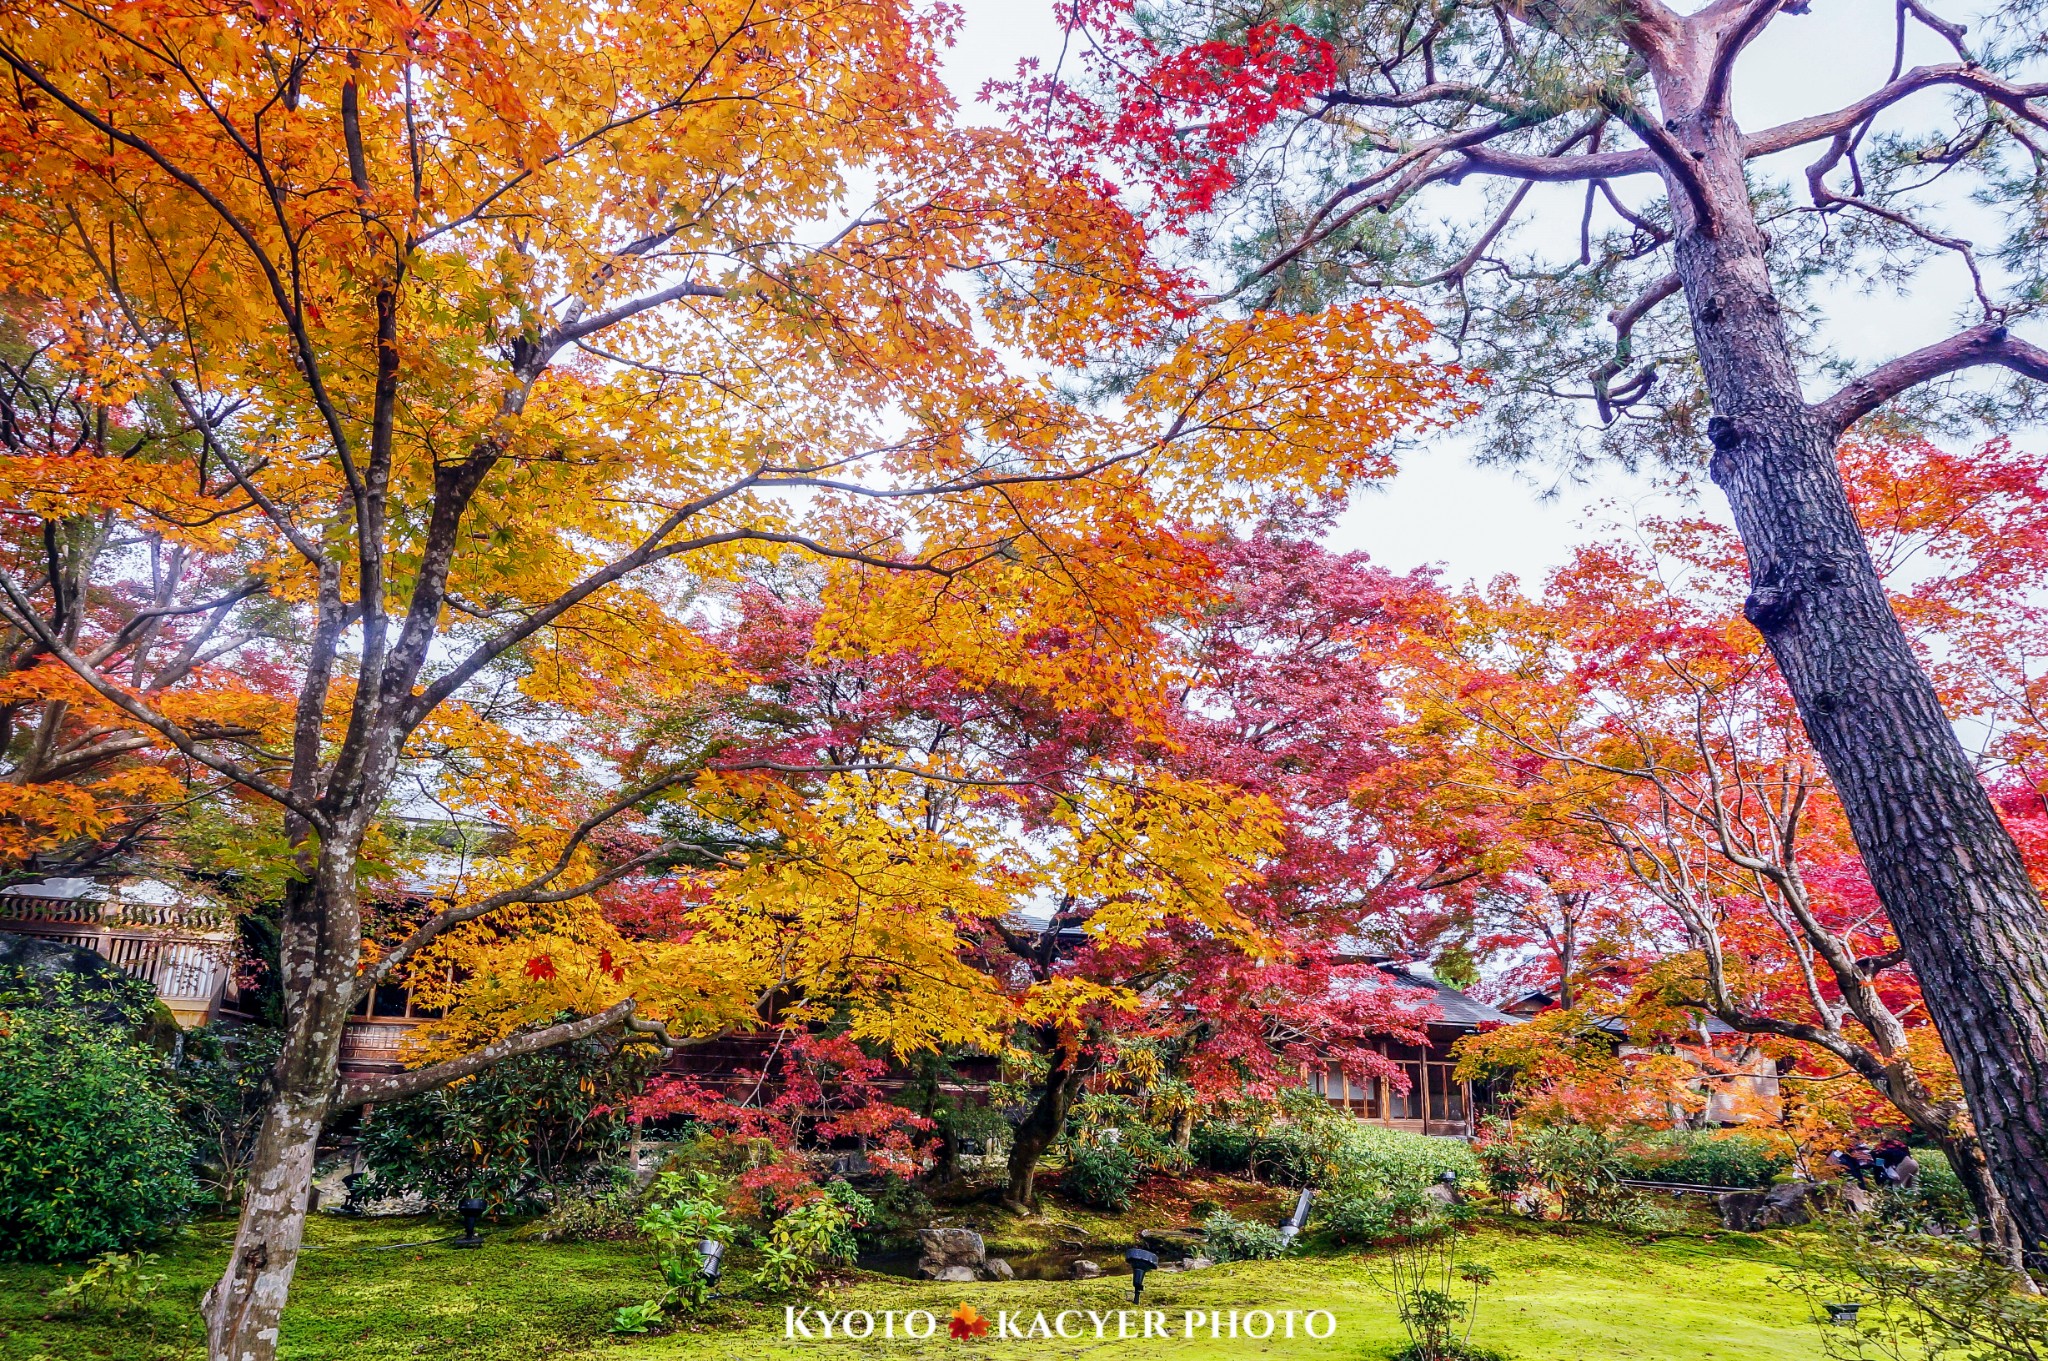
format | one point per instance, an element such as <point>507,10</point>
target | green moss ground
<point>1561,1297</point>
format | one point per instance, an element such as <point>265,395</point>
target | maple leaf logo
<point>967,1323</point>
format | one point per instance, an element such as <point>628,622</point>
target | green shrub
<point>1231,1239</point>
<point>802,1240</point>
<point>1576,1170</point>
<point>1103,1175</point>
<point>1368,1216</point>
<point>1223,1145</point>
<point>93,1158</point>
<point>1706,1158</point>
<point>1379,1180</point>
<point>512,1135</point>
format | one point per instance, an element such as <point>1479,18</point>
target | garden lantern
<point>1141,1262</point>
<point>472,1209</point>
<point>1844,1314</point>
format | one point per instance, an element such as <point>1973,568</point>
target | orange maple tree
<point>496,349</point>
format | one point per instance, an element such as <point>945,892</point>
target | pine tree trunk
<point>1944,866</point>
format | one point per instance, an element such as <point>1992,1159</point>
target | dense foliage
<point>93,1158</point>
<point>513,1136</point>
<point>1702,1158</point>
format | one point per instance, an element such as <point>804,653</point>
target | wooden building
<point>1433,1101</point>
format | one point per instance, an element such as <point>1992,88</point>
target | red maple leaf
<point>541,967</point>
<point>967,1323</point>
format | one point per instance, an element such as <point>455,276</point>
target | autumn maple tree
<point>1182,879</point>
<point>1629,707</point>
<point>498,351</point>
<point>1667,312</point>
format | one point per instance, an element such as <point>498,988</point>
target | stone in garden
<point>1171,1244</point>
<point>956,1275</point>
<point>1197,1263</point>
<point>943,1249</point>
<point>998,1270</point>
<point>1085,1270</point>
<point>1779,1207</point>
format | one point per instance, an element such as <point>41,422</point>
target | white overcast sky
<point>1477,522</point>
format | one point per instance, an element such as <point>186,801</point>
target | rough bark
<point>1034,1134</point>
<point>1944,866</point>
<point>245,1307</point>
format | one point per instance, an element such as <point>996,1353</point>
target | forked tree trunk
<point>1944,866</point>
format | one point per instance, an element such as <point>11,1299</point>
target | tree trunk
<point>317,961</point>
<point>2001,1234</point>
<point>244,1307</point>
<point>1036,1133</point>
<point>1944,866</point>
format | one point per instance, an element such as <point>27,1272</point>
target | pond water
<point>1054,1265</point>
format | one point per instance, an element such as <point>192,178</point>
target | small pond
<point>1056,1264</point>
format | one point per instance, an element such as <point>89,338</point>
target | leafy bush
<point>1103,1175</point>
<point>511,1135</point>
<point>804,1239</point>
<point>115,1283</point>
<point>1573,1169</point>
<point>93,1158</point>
<point>1231,1239</point>
<point>1704,1158</point>
<point>860,1212</point>
<point>682,1211</point>
<point>1223,1145</point>
<point>1365,1216</point>
<point>1381,1180</point>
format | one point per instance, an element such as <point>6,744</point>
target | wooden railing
<point>182,950</point>
<point>114,912</point>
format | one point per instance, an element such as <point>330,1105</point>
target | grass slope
<point>360,1296</point>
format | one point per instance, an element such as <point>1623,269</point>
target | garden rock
<point>94,983</point>
<point>943,1250</point>
<point>998,1270</point>
<point>954,1275</point>
<point>1085,1270</point>
<point>1171,1244</point>
<point>1197,1263</point>
<point>1779,1207</point>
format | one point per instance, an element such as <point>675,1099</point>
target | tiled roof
<point>1453,1007</point>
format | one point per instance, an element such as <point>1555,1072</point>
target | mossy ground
<point>363,1294</point>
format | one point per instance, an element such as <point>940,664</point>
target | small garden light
<point>472,1209</point>
<point>1141,1262</point>
<point>713,1254</point>
<point>1844,1314</point>
<point>1297,1221</point>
